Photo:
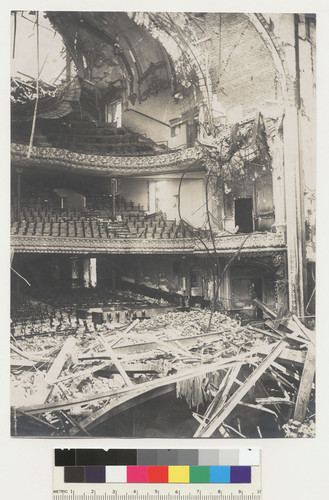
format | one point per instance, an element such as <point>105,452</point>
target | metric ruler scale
<point>106,491</point>
<point>92,494</point>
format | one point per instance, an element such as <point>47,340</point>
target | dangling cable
<point>37,91</point>
<point>15,29</point>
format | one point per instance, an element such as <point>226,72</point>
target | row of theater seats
<point>87,137</point>
<point>46,219</point>
<point>53,310</point>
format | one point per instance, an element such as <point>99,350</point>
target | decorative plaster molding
<point>48,157</point>
<point>257,242</point>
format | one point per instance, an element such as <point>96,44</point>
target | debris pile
<point>68,384</point>
<point>293,428</point>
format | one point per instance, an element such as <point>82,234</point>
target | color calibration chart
<point>152,474</point>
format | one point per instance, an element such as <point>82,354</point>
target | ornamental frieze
<point>258,242</point>
<point>120,165</point>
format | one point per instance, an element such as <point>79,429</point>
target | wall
<point>245,281</point>
<point>136,190</point>
<point>163,108</point>
<point>157,271</point>
<point>235,44</point>
<point>261,192</point>
<point>184,276</point>
<point>192,198</point>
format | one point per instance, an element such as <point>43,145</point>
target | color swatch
<point>130,466</point>
<point>163,457</point>
<point>157,474</point>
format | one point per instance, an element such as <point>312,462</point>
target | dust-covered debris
<point>113,362</point>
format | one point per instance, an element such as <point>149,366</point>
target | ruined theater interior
<point>163,227</point>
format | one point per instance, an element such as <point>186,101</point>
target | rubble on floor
<point>293,428</point>
<point>70,383</point>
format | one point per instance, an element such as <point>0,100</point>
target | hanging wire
<point>37,89</point>
<point>20,276</point>
<point>15,29</point>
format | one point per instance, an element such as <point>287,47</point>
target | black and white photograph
<point>163,225</point>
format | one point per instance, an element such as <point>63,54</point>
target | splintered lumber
<point>274,401</point>
<point>210,428</point>
<point>38,420</point>
<point>53,373</point>
<point>305,387</point>
<point>151,346</point>
<point>309,334</point>
<point>82,373</point>
<point>31,356</point>
<point>115,408</point>
<point>221,396</point>
<point>287,355</point>
<point>115,360</point>
<point>287,372</point>
<point>160,382</point>
<point>275,336</point>
<point>131,326</point>
<point>159,366</point>
<point>293,323</point>
<point>265,308</point>
<point>24,363</point>
<point>57,366</point>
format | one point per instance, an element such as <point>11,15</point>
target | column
<point>294,211</point>
<point>74,272</point>
<point>86,272</point>
<point>93,272</point>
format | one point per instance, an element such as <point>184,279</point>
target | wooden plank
<point>242,391</point>
<point>131,326</point>
<point>274,401</point>
<point>46,386</point>
<point>57,366</point>
<point>292,336</point>
<point>309,334</point>
<point>285,370</point>
<point>221,397</point>
<point>287,355</point>
<point>183,375</point>
<point>185,341</point>
<point>31,356</point>
<point>265,308</point>
<point>115,408</point>
<point>82,373</point>
<point>275,336</point>
<point>158,366</point>
<point>115,360</point>
<point>305,387</point>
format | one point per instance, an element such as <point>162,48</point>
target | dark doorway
<point>243,215</point>
<point>191,133</point>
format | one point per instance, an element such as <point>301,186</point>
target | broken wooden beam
<point>160,382</point>
<point>57,366</point>
<point>115,360</point>
<point>31,356</point>
<point>305,387</point>
<point>210,428</point>
<point>274,401</point>
<point>46,386</point>
<point>265,308</point>
<point>115,408</point>
<point>221,396</point>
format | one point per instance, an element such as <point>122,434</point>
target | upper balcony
<point>42,226</point>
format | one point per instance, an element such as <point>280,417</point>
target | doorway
<point>244,215</point>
